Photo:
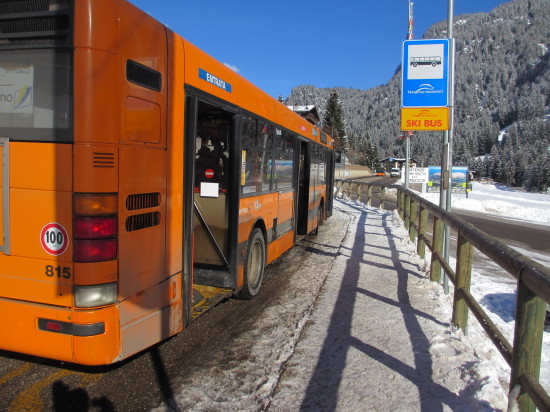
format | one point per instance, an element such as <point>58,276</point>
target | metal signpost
<point>447,165</point>
<point>427,100</point>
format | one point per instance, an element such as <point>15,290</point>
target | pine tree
<point>333,122</point>
<point>371,153</point>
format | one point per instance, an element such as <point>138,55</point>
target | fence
<point>533,281</point>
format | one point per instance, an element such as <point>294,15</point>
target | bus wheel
<point>254,265</point>
<point>321,219</point>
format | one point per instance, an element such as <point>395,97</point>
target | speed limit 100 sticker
<point>54,239</point>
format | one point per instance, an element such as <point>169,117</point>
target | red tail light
<point>95,227</point>
<point>96,250</point>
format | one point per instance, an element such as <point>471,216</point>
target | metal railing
<point>533,282</point>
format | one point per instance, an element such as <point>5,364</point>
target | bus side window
<point>283,172</point>
<point>267,170</point>
<point>258,171</point>
<point>249,131</point>
<point>266,133</point>
<point>254,159</point>
<point>283,166</point>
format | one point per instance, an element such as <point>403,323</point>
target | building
<point>390,162</point>
<point>309,113</point>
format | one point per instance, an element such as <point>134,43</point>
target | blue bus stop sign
<point>425,81</point>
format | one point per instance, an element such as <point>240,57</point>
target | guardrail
<point>533,282</point>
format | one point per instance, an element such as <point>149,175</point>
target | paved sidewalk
<point>379,337</point>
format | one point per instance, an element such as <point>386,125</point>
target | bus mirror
<point>338,157</point>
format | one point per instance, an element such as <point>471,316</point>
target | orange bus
<point>142,181</point>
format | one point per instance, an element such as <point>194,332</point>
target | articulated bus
<point>142,181</point>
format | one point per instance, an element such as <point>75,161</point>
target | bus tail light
<point>95,204</point>
<point>96,250</point>
<point>95,227</point>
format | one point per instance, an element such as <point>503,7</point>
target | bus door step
<point>206,297</point>
<point>213,277</point>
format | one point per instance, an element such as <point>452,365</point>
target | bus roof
<point>206,73</point>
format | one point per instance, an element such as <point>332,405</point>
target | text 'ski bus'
<point>140,178</point>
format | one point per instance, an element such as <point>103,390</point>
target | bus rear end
<point>83,272</point>
<point>39,303</point>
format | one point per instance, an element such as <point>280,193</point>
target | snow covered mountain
<point>502,84</point>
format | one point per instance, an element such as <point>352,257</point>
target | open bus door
<point>303,188</point>
<point>211,204</point>
<point>330,159</point>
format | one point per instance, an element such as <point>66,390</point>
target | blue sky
<point>281,44</point>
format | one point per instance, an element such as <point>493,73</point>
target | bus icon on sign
<point>426,61</point>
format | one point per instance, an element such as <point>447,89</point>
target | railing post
<point>382,198</point>
<point>422,224</point>
<point>464,254</point>
<point>359,192</point>
<point>407,212</point>
<point>437,246</point>
<point>400,204</point>
<point>414,214</point>
<point>530,314</point>
<point>369,195</point>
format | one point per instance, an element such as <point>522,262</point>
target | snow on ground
<point>502,201</point>
<point>361,327</point>
<point>498,296</point>
<point>380,339</point>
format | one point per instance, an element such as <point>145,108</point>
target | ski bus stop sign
<point>425,81</point>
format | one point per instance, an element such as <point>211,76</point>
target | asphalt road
<point>521,234</point>
<point>149,378</point>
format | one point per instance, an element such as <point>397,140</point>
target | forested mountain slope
<point>502,97</point>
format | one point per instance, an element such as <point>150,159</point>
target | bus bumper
<point>88,337</point>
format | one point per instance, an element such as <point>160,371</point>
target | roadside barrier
<point>533,281</point>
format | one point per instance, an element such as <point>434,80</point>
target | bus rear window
<point>35,95</point>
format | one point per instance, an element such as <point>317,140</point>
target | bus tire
<point>254,265</point>
<point>320,220</point>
